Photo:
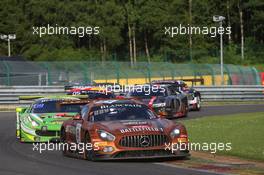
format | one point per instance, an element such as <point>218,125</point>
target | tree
<point>133,27</point>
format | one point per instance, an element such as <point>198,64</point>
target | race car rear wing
<point>69,87</point>
<point>193,81</point>
<point>34,97</point>
<point>29,97</point>
<point>76,102</point>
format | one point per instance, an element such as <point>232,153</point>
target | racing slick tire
<point>88,154</point>
<point>198,104</point>
<point>185,110</point>
<point>63,141</point>
<point>20,135</point>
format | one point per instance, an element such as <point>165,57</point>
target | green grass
<point>244,131</point>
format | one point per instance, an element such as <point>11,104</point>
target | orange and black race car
<point>193,96</point>
<point>163,99</point>
<point>123,129</point>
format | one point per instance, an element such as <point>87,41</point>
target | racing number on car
<point>78,132</point>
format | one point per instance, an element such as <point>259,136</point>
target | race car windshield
<point>122,113</point>
<point>54,107</point>
<point>147,93</point>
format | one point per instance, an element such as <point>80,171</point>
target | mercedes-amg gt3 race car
<point>122,129</point>
<point>42,120</point>
<point>194,96</point>
<point>163,99</point>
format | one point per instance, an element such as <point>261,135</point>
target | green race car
<point>42,120</point>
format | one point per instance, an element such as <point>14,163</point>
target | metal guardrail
<point>231,93</point>
<point>9,94</point>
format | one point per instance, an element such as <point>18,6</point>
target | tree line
<point>133,30</point>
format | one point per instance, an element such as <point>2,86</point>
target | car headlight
<point>175,132</point>
<point>35,124</point>
<point>106,135</point>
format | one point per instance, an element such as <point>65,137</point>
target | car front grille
<point>47,133</point>
<point>143,153</point>
<point>142,141</point>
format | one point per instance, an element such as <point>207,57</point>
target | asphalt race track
<point>225,110</point>
<point>20,159</point>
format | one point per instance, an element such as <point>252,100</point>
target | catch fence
<point>20,73</point>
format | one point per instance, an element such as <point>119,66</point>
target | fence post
<point>257,77</point>
<point>39,79</point>
<point>92,77</point>
<point>149,72</point>
<point>228,73</point>
<point>7,73</point>
<point>117,68</point>
<point>48,77</point>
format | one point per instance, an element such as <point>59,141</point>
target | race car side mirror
<point>21,110</point>
<point>77,117</point>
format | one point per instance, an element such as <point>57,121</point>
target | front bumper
<point>134,151</point>
<point>141,154</point>
<point>27,137</point>
<point>192,102</point>
<point>169,115</point>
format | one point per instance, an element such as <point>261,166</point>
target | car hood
<point>52,117</point>
<point>132,127</point>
